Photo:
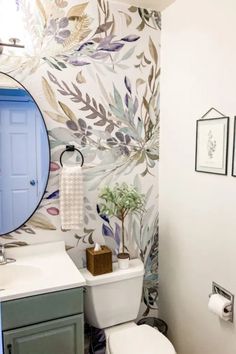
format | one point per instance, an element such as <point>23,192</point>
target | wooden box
<point>99,262</point>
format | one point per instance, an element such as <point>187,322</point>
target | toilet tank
<point>115,297</point>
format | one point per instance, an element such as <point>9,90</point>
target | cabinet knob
<point>9,348</point>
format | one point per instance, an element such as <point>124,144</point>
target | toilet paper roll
<point>218,304</point>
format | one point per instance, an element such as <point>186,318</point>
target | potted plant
<point>119,201</point>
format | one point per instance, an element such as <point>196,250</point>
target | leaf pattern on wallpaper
<point>41,221</point>
<point>54,32</point>
<point>128,18</point>
<point>100,81</point>
<point>68,112</point>
<point>80,78</point>
<point>24,229</point>
<point>94,110</point>
<point>15,244</point>
<point>149,18</point>
<point>150,104</point>
<point>61,3</point>
<point>81,29</point>
<point>76,11</point>
<point>49,94</point>
<point>105,48</point>
<point>85,238</point>
<point>132,136</point>
<point>145,230</point>
<point>64,38</point>
<point>42,11</point>
<point>56,117</point>
<point>153,51</point>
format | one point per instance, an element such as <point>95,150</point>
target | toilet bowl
<point>112,303</point>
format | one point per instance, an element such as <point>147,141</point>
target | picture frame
<point>211,154</point>
<point>234,152</point>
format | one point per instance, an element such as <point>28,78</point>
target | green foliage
<point>120,200</point>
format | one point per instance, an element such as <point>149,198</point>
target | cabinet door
<point>62,336</point>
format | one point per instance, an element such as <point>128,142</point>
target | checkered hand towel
<point>71,198</point>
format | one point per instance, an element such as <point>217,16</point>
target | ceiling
<point>158,5</point>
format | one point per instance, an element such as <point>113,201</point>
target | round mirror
<point>24,155</point>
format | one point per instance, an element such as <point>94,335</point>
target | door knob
<point>32,182</point>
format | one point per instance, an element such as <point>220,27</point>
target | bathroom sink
<point>11,275</point>
<point>39,269</point>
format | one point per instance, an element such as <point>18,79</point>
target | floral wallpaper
<point>93,68</point>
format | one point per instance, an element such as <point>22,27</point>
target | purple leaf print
<point>50,31</point>
<point>120,136</point>
<point>104,27</point>
<point>128,84</point>
<point>53,211</point>
<point>103,216</point>
<point>130,38</point>
<point>77,62</point>
<point>63,22</point>
<point>54,166</point>
<point>17,5</point>
<point>117,234</point>
<point>53,25</point>
<point>124,150</point>
<point>54,195</point>
<point>112,47</point>
<point>99,55</point>
<point>71,125</point>
<point>127,100</point>
<point>82,124</point>
<point>52,78</point>
<point>59,40</point>
<point>106,231</point>
<point>127,139</point>
<point>84,45</point>
<point>64,33</point>
<point>106,40</point>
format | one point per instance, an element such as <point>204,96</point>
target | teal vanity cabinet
<point>51,323</point>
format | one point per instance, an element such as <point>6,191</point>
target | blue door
<point>18,163</point>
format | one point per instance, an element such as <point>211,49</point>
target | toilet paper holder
<point>218,289</point>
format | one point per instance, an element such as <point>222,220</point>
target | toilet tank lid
<point>135,269</point>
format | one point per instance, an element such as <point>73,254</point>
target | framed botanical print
<point>234,152</point>
<point>212,145</point>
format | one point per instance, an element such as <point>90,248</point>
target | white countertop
<point>39,269</point>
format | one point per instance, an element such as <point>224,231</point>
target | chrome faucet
<point>3,258</point>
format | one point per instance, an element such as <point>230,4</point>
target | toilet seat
<point>139,340</point>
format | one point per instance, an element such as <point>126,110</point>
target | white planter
<point>123,260</point>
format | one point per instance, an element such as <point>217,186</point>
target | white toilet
<point>112,303</point>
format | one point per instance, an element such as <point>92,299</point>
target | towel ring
<point>71,148</point>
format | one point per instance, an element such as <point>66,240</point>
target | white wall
<point>197,210</point>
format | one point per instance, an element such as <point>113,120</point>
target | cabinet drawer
<point>40,308</point>
<point>63,336</point>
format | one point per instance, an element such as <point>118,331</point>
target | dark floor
<point>95,341</point>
